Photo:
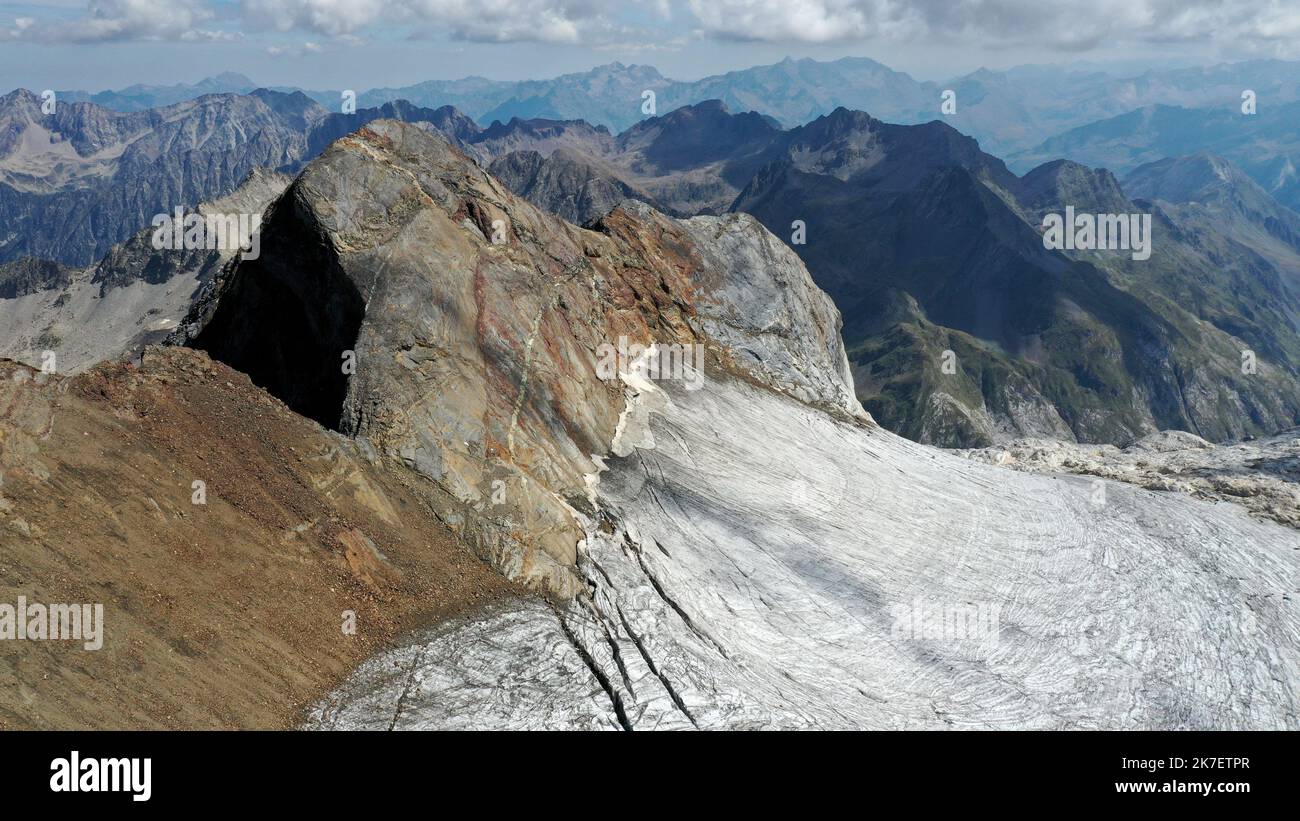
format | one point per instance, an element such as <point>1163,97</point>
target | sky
<point>94,45</point>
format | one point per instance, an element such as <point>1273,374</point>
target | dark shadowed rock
<point>133,297</point>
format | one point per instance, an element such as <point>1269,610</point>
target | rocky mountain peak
<point>853,145</point>
<point>1062,182</point>
<point>698,134</point>
<point>839,122</point>
<point>1193,178</point>
<point>476,322</point>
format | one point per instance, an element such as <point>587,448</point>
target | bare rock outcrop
<point>1261,475</point>
<point>476,324</point>
<point>731,543</point>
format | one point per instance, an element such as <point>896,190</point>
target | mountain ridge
<point>688,524</point>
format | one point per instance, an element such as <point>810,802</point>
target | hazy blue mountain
<point>797,91</point>
<point>474,96</point>
<point>791,91</point>
<point>1012,111</point>
<point>1008,111</point>
<point>1213,200</point>
<point>1265,145</point>
<point>608,95</point>
<point>141,97</point>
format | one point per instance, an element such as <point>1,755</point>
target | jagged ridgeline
<point>963,330</point>
<point>964,326</point>
<point>474,320</point>
<point>729,541</point>
<point>702,539</point>
<point>77,181</point>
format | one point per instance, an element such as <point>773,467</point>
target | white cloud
<point>1246,25</point>
<point>808,21</point>
<point>328,17</point>
<point>991,22</point>
<point>115,20</point>
<point>311,47</point>
<point>547,21</point>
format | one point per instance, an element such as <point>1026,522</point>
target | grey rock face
<point>543,136</point>
<point>1262,476</point>
<point>137,259</point>
<point>564,184</point>
<point>476,359</point>
<point>128,167</point>
<point>742,550</point>
<point>31,276</point>
<point>453,125</point>
<point>76,182</point>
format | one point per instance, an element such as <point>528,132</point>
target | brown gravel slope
<point>223,615</point>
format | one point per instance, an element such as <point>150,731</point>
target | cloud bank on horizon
<point>1265,27</point>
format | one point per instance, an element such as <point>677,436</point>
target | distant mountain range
<point>1266,145</point>
<point>84,178</point>
<point>930,246</point>
<point>143,97</point>
<point>1007,111</point>
<point>1028,114</point>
